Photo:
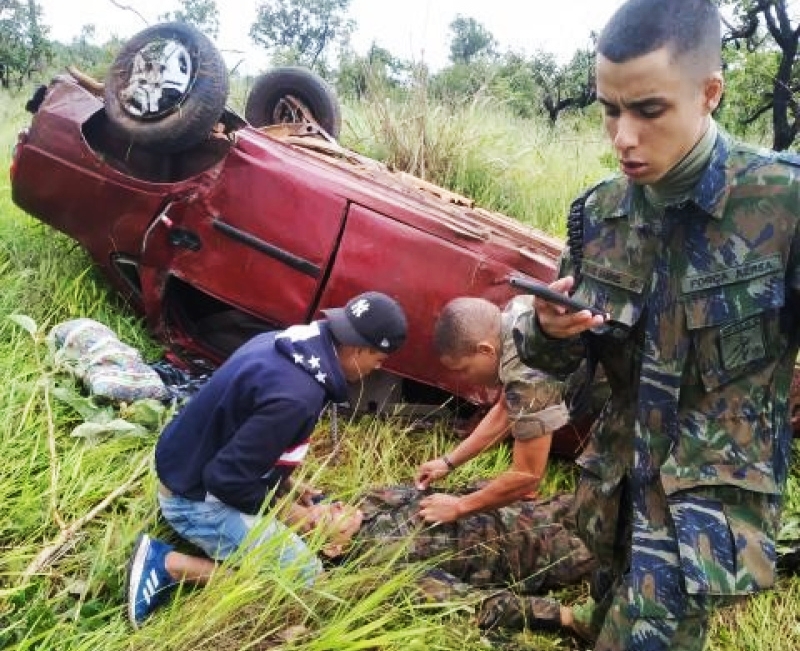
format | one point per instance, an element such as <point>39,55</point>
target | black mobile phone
<point>543,291</point>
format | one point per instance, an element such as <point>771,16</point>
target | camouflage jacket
<point>530,544</point>
<point>534,399</point>
<point>700,354</point>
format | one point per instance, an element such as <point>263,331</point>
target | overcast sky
<point>410,29</point>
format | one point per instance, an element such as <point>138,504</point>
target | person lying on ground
<point>503,559</point>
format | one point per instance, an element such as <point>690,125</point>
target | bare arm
<point>522,480</point>
<point>494,427</point>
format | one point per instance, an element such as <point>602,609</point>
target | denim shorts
<point>220,530</point>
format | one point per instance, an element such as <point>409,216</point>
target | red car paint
<point>270,229</point>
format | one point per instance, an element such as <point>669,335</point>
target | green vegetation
<point>50,480</point>
<point>481,150</point>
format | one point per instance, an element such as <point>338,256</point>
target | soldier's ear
<point>712,93</point>
<point>485,348</point>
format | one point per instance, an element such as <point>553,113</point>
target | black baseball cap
<point>369,320</point>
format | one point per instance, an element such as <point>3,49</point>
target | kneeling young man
<point>237,441</point>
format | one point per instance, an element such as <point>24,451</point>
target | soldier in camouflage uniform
<point>694,255</point>
<point>473,338</point>
<point>524,549</point>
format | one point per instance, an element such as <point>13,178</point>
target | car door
<point>421,270</point>
<point>260,239</point>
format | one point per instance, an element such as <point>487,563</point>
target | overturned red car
<point>217,227</point>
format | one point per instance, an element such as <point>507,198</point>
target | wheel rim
<point>159,79</point>
<point>289,110</point>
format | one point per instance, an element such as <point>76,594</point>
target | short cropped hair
<point>463,323</point>
<point>685,27</point>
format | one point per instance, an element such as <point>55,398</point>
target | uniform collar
<point>710,195</point>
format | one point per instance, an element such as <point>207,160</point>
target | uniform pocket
<point>705,544</point>
<point>731,327</point>
<point>725,548</point>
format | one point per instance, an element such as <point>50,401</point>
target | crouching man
<point>239,438</point>
<point>475,339</point>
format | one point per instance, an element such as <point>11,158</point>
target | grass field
<point>51,481</point>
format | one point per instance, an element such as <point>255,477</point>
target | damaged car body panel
<point>258,228</point>
<point>262,226</point>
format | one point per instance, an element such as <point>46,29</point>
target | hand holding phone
<point>544,292</point>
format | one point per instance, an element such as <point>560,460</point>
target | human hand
<point>307,495</point>
<point>429,472</point>
<point>321,514</point>
<point>559,322</point>
<point>439,508</point>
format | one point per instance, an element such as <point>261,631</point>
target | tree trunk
<point>783,127</point>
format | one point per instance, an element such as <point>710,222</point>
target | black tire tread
<point>304,84</point>
<point>200,111</point>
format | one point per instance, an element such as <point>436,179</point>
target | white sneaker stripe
<point>150,585</point>
<point>136,577</point>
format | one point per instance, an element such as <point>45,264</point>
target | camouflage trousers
<point>501,559</point>
<point>646,608</point>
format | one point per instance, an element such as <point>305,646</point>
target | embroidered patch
<point>613,277</point>
<point>742,342</point>
<point>749,270</point>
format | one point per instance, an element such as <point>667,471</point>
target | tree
<point>766,26</point>
<point>85,53</point>
<point>377,70</point>
<point>302,30</point>
<point>24,47</point>
<point>748,81</point>
<point>202,14</point>
<point>516,85</point>
<point>565,86</point>
<point>463,80</point>
<point>470,40</point>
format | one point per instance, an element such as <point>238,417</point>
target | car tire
<point>265,104</point>
<point>167,88</point>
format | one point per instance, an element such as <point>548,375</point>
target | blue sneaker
<point>148,584</point>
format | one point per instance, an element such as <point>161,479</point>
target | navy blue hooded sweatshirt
<point>248,427</point>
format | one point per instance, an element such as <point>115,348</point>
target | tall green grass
<point>523,168</point>
<point>49,479</point>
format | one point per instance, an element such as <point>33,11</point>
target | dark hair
<point>463,323</point>
<point>683,26</point>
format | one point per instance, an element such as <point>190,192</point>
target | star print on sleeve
<point>313,361</point>
<point>320,377</point>
<point>298,358</point>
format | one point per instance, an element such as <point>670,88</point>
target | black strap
<point>580,396</point>
<point>575,232</point>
